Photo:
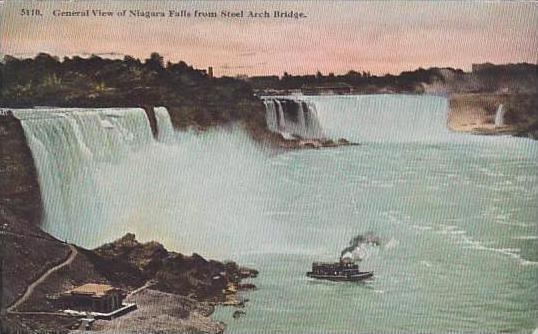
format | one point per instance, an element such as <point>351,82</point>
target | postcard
<point>268,166</point>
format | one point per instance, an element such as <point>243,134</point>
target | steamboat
<point>344,270</point>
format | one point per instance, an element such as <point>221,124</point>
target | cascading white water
<point>281,119</point>
<point>377,118</point>
<point>70,148</point>
<point>499,116</point>
<point>297,125</point>
<point>302,121</point>
<point>384,118</point>
<point>313,128</point>
<point>304,124</point>
<point>271,116</point>
<point>165,130</point>
<point>219,194</point>
<point>102,174</point>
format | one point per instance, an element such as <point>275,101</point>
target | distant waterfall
<point>280,115</point>
<point>71,148</point>
<point>499,116</point>
<point>361,118</point>
<point>271,117</point>
<point>165,130</point>
<point>312,122</point>
<point>302,122</point>
<point>384,118</point>
<point>292,118</point>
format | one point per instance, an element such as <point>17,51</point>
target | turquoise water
<point>459,251</point>
<point>457,215</point>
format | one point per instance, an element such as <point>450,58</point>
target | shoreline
<point>21,210</point>
<point>126,263</point>
<point>475,114</point>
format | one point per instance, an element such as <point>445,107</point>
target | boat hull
<point>343,278</point>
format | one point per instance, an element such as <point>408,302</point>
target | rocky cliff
<point>194,282</point>
<point>19,186</point>
<point>20,215</point>
<point>127,262</point>
<point>476,113</point>
<point>27,254</point>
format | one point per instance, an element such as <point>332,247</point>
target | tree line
<point>192,96</point>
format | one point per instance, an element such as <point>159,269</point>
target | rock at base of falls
<point>238,314</point>
<point>182,290</point>
<point>298,143</point>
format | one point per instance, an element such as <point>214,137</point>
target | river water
<point>457,215</point>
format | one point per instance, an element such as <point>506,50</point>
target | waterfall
<point>361,118</point>
<point>302,121</point>
<point>313,127</point>
<point>281,119</point>
<point>292,118</point>
<point>102,174</point>
<point>71,148</point>
<point>165,130</point>
<point>384,118</point>
<point>499,116</point>
<point>271,116</point>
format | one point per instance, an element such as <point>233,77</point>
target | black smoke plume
<point>357,245</point>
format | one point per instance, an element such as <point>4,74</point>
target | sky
<point>380,37</point>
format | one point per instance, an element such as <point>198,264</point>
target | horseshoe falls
<point>365,118</point>
<point>456,214</point>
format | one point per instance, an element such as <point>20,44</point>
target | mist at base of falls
<point>102,174</point>
<point>455,214</point>
<point>361,118</point>
<point>201,195</point>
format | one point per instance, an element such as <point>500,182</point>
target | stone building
<point>93,297</point>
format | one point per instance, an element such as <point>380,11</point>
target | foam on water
<point>455,213</point>
<point>70,147</point>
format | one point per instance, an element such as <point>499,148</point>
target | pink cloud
<point>376,36</point>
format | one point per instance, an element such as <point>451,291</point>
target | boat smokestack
<point>356,249</point>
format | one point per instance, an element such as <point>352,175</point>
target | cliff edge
<point>476,113</point>
<point>35,267</point>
